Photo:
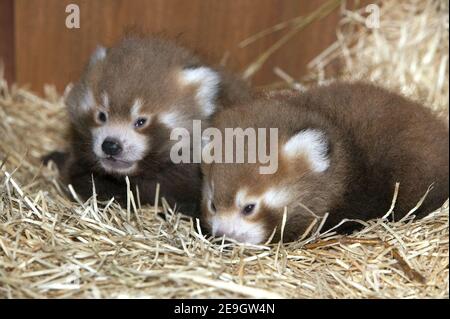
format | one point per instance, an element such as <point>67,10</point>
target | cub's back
<point>390,139</point>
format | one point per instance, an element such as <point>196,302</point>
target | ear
<point>207,82</point>
<point>80,99</point>
<point>98,55</point>
<point>312,144</point>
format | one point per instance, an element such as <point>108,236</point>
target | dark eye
<point>102,117</point>
<point>140,122</point>
<point>212,207</point>
<point>248,209</point>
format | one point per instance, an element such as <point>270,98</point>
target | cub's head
<point>241,203</point>
<point>129,99</point>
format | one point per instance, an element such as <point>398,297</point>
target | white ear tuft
<point>208,85</point>
<point>310,143</point>
<point>98,55</point>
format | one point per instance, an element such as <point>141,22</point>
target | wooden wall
<point>7,38</point>
<point>45,51</point>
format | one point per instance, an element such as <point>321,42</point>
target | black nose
<point>111,147</point>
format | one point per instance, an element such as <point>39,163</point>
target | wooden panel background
<point>47,52</point>
<point>7,38</point>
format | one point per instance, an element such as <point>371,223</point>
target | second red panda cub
<point>341,150</point>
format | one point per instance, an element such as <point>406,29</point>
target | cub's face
<point>236,203</point>
<point>125,120</point>
<point>240,203</point>
<point>120,141</point>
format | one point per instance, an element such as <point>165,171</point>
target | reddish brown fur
<point>376,138</point>
<point>144,68</point>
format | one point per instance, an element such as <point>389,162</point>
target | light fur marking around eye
<point>242,198</point>
<point>311,143</point>
<point>105,100</point>
<point>136,108</point>
<point>87,101</point>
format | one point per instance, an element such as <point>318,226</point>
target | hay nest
<point>53,247</point>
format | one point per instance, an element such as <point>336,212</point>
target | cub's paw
<point>59,158</point>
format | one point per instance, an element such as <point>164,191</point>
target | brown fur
<point>146,68</point>
<point>375,139</point>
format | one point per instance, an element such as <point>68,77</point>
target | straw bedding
<point>55,247</point>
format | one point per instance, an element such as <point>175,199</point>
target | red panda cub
<point>341,150</point>
<point>122,111</point>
